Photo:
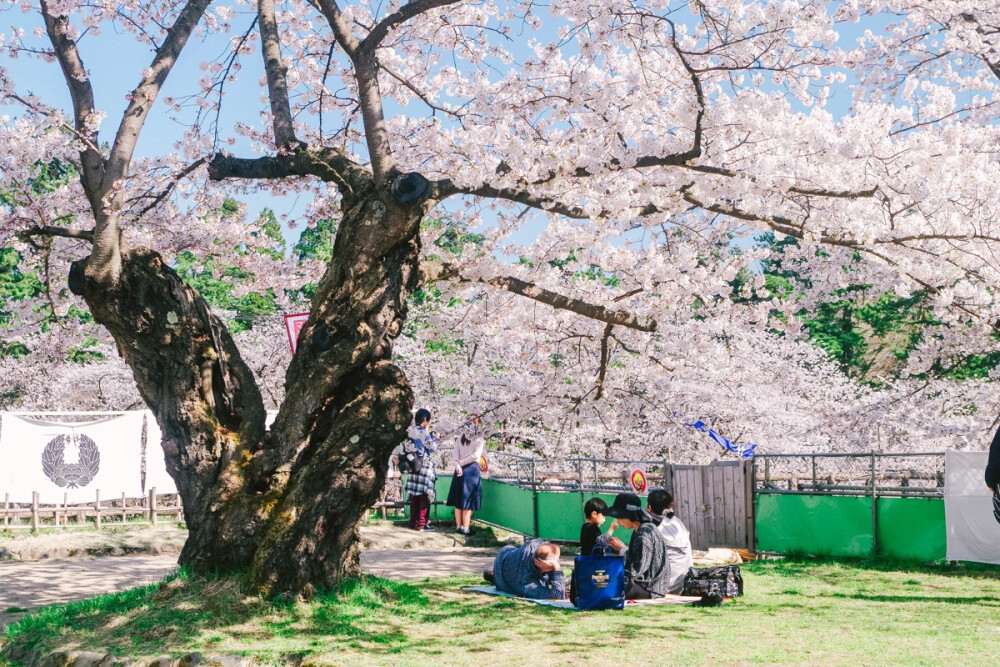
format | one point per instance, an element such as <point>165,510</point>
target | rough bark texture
<point>191,375</point>
<point>346,406</point>
<point>282,505</point>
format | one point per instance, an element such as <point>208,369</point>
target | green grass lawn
<point>793,612</point>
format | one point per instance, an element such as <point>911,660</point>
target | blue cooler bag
<point>598,582</point>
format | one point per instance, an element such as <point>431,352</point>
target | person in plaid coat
<point>420,485</point>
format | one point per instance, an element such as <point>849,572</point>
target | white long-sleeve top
<point>468,452</point>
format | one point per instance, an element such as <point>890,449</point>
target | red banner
<point>293,325</point>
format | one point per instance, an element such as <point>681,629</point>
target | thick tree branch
<point>369,95</point>
<point>50,230</point>
<point>82,95</point>
<point>446,188</point>
<point>778,223</point>
<point>561,302</point>
<point>434,271</point>
<point>373,117</point>
<point>402,15</point>
<point>141,99</point>
<point>277,75</point>
<point>341,28</point>
<point>327,164</point>
<point>605,355</point>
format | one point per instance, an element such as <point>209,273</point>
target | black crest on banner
<point>72,475</point>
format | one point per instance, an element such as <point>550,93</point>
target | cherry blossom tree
<point>645,138</point>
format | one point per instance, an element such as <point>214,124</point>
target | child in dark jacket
<point>590,533</point>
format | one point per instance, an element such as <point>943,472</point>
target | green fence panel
<point>560,515</point>
<point>508,506</point>
<point>442,512</point>
<point>820,525</point>
<point>911,528</point>
<point>908,528</point>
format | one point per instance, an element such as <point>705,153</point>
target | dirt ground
<point>58,568</point>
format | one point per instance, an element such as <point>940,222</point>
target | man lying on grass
<point>529,571</point>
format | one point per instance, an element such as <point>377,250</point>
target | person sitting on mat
<point>590,533</point>
<point>647,566</point>
<point>675,534</point>
<point>529,571</point>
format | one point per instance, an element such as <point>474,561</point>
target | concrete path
<point>29,585</point>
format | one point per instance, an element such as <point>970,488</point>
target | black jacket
<point>588,538</point>
<point>993,466</point>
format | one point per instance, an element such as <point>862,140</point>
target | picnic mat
<point>566,604</point>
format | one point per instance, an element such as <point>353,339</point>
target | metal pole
<point>534,498</point>
<point>97,508</point>
<point>874,509</point>
<point>34,512</point>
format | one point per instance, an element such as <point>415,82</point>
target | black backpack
<point>725,580</point>
<point>411,459</point>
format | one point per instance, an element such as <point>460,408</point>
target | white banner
<point>973,533</point>
<point>72,460</point>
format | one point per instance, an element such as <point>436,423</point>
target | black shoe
<point>429,528</point>
<point>711,599</point>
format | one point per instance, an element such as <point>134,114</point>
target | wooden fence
<point>148,510</point>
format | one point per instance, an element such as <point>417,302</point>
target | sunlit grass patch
<point>795,611</point>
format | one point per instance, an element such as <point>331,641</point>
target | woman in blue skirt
<point>466,493</point>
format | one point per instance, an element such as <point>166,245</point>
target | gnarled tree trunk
<point>282,505</point>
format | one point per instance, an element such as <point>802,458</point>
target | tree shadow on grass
<point>184,613</point>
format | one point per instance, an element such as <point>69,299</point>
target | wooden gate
<point>715,502</point>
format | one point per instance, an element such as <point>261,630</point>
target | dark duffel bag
<point>725,580</point>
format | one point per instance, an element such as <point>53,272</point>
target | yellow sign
<point>638,479</point>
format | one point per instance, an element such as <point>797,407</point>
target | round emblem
<point>638,481</point>
<point>71,475</point>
